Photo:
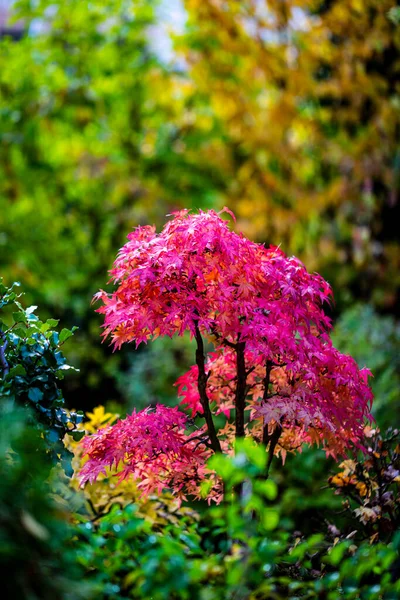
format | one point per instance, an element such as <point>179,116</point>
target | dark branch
<point>266,382</point>
<point>274,437</point>
<point>222,340</point>
<point>241,389</point>
<point>202,387</point>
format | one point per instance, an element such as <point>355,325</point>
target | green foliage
<point>307,504</point>
<point>234,550</point>
<point>369,573</point>
<point>37,559</point>
<point>212,557</point>
<point>90,146</point>
<point>238,549</point>
<point>32,364</point>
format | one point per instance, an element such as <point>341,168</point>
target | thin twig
<point>202,387</point>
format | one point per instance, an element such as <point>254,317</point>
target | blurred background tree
<point>308,95</point>
<point>89,149</point>
<point>284,110</point>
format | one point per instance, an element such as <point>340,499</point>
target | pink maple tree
<point>273,376</point>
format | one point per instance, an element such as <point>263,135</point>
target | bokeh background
<point>113,113</point>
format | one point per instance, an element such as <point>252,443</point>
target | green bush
<point>32,365</point>
<point>37,557</point>
<point>234,550</point>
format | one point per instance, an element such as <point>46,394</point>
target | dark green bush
<point>32,365</point>
<point>37,556</point>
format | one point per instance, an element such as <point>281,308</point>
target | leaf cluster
<point>32,366</point>
<point>37,557</point>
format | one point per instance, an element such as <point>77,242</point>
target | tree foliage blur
<point>307,94</point>
<point>283,109</point>
<point>89,147</point>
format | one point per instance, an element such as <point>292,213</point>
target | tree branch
<point>266,382</point>
<point>222,340</point>
<point>240,394</point>
<point>274,437</point>
<point>202,387</point>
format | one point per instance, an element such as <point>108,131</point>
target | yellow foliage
<point>309,109</point>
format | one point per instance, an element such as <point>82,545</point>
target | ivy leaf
<point>18,370</point>
<point>35,394</point>
<point>19,317</point>
<point>65,334</point>
<point>77,435</point>
<point>20,331</point>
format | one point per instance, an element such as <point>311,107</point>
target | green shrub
<point>32,365</point>
<point>37,557</point>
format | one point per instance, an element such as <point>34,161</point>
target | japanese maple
<point>274,374</point>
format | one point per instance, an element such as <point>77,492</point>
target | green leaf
<point>270,519</point>
<point>337,553</point>
<point>266,488</point>
<point>30,309</point>
<point>21,331</point>
<point>52,322</point>
<point>77,435</point>
<point>15,371</point>
<point>35,394</point>
<point>65,334</point>
<point>19,317</point>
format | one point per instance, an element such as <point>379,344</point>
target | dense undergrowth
<point>106,541</point>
